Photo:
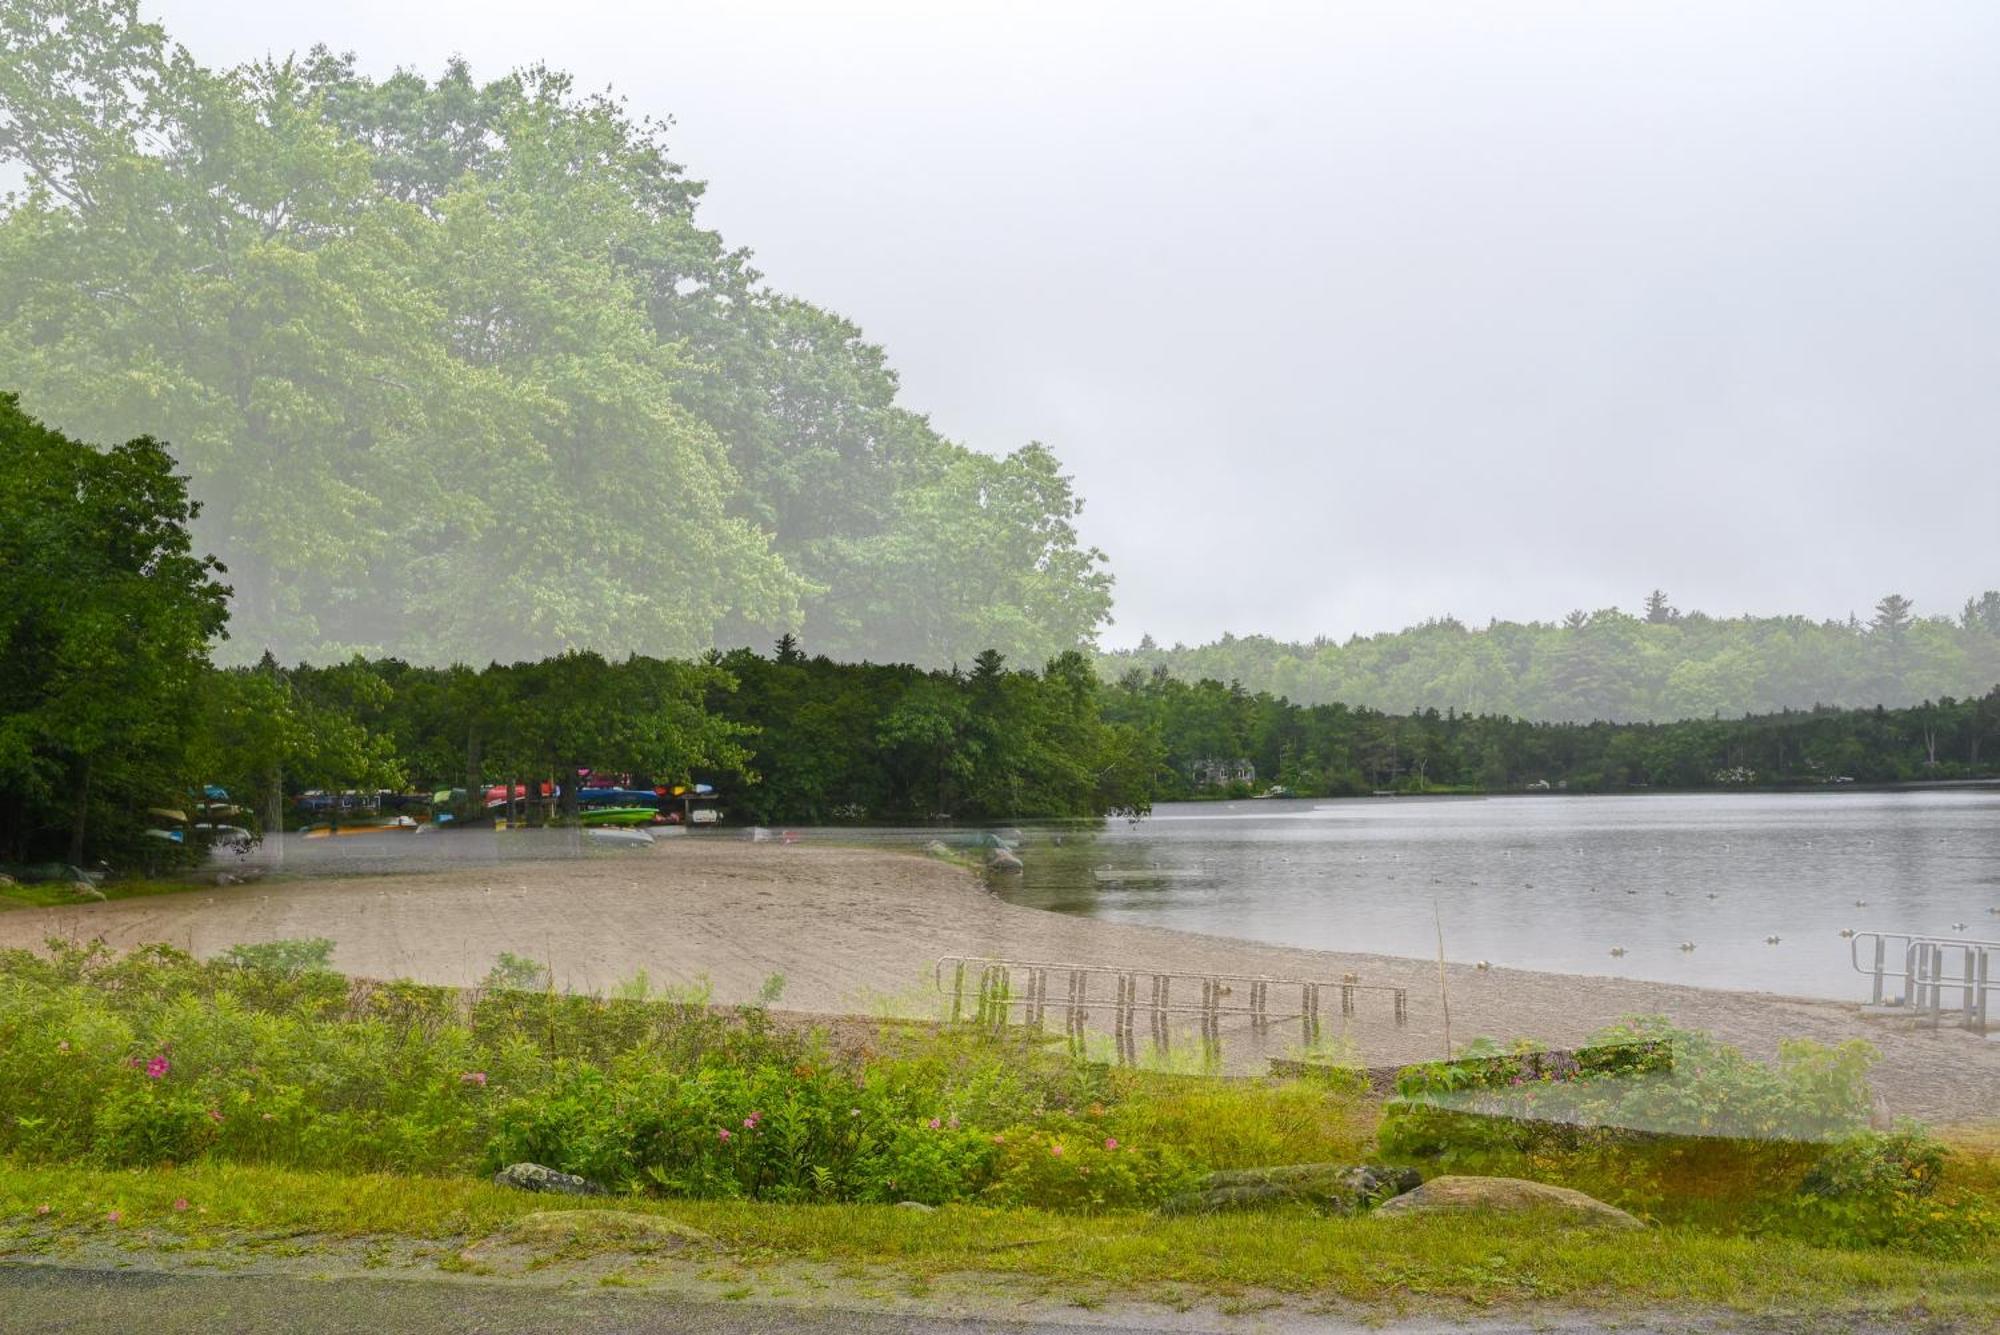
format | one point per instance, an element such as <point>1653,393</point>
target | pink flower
<point>1111,1142</point>
<point>1056,1149</point>
<point>722,1134</point>
<point>750,1124</point>
<point>157,1068</point>
<point>181,1204</point>
<point>935,1124</point>
<point>473,1078</point>
<point>43,1209</point>
<point>999,1140</point>
<point>115,1216</point>
<point>215,1115</point>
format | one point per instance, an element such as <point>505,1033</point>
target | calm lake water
<point>1552,882</point>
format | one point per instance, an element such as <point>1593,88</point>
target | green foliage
<point>1608,665</point>
<point>462,375</point>
<point>106,615</point>
<point>1776,1149</point>
<point>287,958</point>
<point>515,973</point>
<point>1882,1189</point>
<point>156,1058</point>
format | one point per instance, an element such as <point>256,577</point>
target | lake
<point>1553,882</point>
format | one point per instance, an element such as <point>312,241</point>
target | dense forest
<point>457,372</point>
<point>111,708</point>
<point>1616,666</point>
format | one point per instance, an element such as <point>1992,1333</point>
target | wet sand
<point>858,931</point>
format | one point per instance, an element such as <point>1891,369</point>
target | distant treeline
<point>1335,750</point>
<point>1611,665</point>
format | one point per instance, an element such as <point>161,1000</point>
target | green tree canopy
<point>106,615</point>
<point>459,374</point>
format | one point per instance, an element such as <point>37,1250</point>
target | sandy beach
<point>857,931</point>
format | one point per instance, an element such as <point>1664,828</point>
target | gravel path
<point>858,930</point>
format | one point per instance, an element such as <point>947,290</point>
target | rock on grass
<point>1505,1195</point>
<point>534,1177</point>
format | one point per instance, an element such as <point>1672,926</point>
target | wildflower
<point>1111,1142</point>
<point>952,1123</point>
<point>181,1205</point>
<point>999,1140</point>
<point>722,1134</point>
<point>215,1115</point>
<point>1056,1149</point>
<point>473,1078</point>
<point>270,1117</point>
<point>157,1068</point>
<point>43,1209</point>
<point>116,1216</point>
<point>63,1046</point>
<point>935,1124</point>
<point>750,1123</point>
<point>854,1112</point>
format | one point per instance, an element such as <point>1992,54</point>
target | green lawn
<point>1420,1264</point>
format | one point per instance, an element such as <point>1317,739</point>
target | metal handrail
<point>1925,977</point>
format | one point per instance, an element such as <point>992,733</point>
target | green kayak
<point>618,816</point>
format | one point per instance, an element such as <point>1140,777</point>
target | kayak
<point>618,816</point>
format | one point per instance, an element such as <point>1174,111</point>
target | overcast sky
<point>1349,315</point>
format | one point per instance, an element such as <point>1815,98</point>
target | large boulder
<point>1343,1189</point>
<point>534,1177</point>
<point>529,1243</point>
<point>1505,1195</point>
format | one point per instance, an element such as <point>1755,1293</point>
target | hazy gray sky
<point>1348,315</point>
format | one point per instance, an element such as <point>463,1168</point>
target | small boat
<point>617,816</point>
<point>620,838</point>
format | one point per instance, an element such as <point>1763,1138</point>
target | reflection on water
<point>1552,883</point>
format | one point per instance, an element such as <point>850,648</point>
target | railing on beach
<point>1152,996</point>
<point>1932,968</point>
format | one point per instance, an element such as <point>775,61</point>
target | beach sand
<point>858,931</point>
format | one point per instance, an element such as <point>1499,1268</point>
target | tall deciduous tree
<point>106,615</point>
<point>460,375</point>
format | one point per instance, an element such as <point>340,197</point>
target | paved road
<point>45,1298</point>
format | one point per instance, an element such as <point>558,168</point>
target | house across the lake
<point>1214,773</point>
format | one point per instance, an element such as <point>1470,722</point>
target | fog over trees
<point>457,372</point>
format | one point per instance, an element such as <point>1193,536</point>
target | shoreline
<point>856,931</point>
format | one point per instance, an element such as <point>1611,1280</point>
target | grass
<point>56,894</point>
<point>1408,1264</point>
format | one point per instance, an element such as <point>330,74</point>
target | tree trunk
<point>475,788</point>
<point>80,822</point>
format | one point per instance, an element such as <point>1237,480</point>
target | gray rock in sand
<point>534,1177</point>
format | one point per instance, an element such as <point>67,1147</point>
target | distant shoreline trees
<point>1611,666</point>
